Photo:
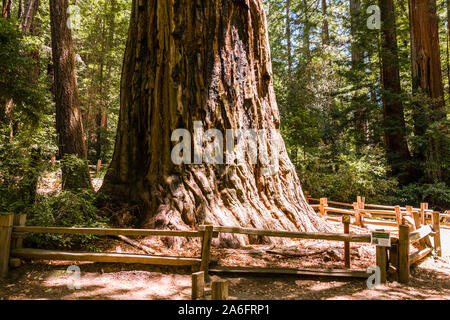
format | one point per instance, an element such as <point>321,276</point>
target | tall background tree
<point>427,82</point>
<point>397,151</point>
<point>69,123</point>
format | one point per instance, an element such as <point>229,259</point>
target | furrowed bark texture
<point>208,61</point>
<point>394,121</point>
<point>68,114</point>
<point>427,77</point>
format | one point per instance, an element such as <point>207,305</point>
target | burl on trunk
<point>207,61</point>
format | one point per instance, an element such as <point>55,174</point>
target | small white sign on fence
<point>381,238</point>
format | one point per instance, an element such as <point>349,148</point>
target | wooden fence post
<point>360,200</point>
<point>423,207</point>
<point>393,258</point>
<point>323,204</point>
<point>403,254</point>
<point>398,215</point>
<point>381,255</point>
<point>198,285</point>
<point>206,248</point>
<point>422,242</point>
<point>6,223</point>
<point>19,220</point>
<point>358,220</point>
<point>219,290</point>
<point>347,257</point>
<point>437,235</point>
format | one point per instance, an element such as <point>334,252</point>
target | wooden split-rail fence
<point>395,260</point>
<point>366,215</point>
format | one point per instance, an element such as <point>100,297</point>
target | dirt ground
<point>49,280</point>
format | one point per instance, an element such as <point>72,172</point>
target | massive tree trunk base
<point>206,61</point>
<point>224,196</point>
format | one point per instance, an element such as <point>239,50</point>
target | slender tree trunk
<point>427,78</point>
<point>306,32</point>
<point>325,31</point>
<point>394,121</point>
<point>448,44</point>
<point>288,37</point>
<point>68,115</point>
<point>31,8</point>
<point>6,104</point>
<point>207,61</point>
<point>6,8</point>
<point>102,115</point>
<point>20,10</point>
<point>357,55</point>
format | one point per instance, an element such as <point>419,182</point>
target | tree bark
<point>6,8</point>
<point>394,122</point>
<point>357,55</point>
<point>31,8</point>
<point>68,115</point>
<point>288,37</point>
<point>448,44</point>
<point>427,77</point>
<point>20,10</point>
<point>207,61</point>
<point>6,105</point>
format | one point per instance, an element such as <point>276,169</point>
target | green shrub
<point>436,194</point>
<point>347,176</point>
<point>66,209</point>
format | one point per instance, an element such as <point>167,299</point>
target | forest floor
<point>49,279</point>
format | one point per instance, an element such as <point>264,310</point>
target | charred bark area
<point>68,115</point>
<point>205,61</point>
<point>394,122</point>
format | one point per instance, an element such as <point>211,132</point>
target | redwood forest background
<point>364,109</point>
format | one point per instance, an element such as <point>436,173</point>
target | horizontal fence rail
<point>296,235</point>
<point>370,214</point>
<point>108,231</point>
<point>104,257</point>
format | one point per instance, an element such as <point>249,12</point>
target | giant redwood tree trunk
<point>394,122</point>
<point>208,61</point>
<point>427,78</point>
<point>68,114</point>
